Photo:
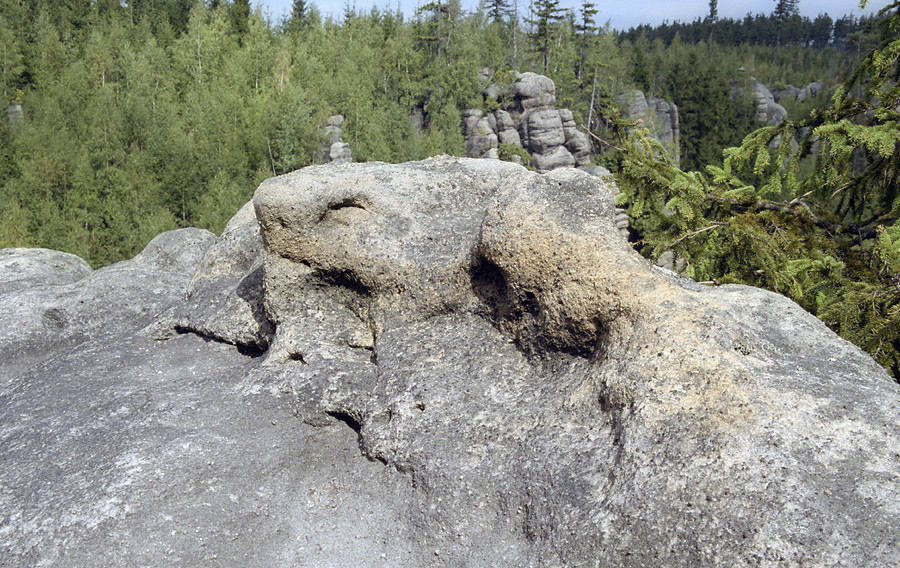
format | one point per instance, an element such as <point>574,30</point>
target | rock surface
<point>38,321</point>
<point>23,268</point>
<point>485,373</point>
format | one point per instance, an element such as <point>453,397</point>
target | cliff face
<point>444,363</point>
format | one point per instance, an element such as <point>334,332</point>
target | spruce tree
<point>299,16</point>
<point>547,15</point>
<point>784,11</point>
<point>818,223</point>
<point>586,29</point>
<point>497,10</point>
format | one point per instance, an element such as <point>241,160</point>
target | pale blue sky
<point>621,15</point>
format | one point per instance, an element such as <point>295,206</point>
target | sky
<point>621,15</point>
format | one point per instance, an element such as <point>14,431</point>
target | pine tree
<point>11,63</point>
<point>713,10</point>
<point>784,11</point>
<point>547,15</point>
<point>497,10</point>
<point>586,29</point>
<point>240,17</point>
<point>435,30</point>
<point>299,16</point>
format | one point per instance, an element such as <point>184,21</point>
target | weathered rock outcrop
<point>481,138</point>
<point>767,111</point>
<point>526,118</point>
<point>519,388</point>
<point>658,116</point>
<point>14,116</point>
<point>810,91</point>
<point>335,149</point>
<point>23,268</point>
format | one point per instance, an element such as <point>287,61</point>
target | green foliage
<point>509,153</point>
<point>169,113</point>
<point>828,237</point>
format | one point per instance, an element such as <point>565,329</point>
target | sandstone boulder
<point>335,149</point>
<point>556,157</point>
<point>541,130</point>
<point>514,384</point>
<point>62,311</point>
<point>534,91</point>
<point>481,138</point>
<point>767,111</point>
<point>224,298</point>
<point>14,116</point>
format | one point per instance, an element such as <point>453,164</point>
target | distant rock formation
<point>526,118</point>
<point>444,363</point>
<point>335,149</point>
<point>810,91</point>
<point>481,139</point>
<point>767,110</point>
<point>14,116</point>
<point>658,116</point>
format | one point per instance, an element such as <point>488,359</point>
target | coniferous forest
<point>124,120</point>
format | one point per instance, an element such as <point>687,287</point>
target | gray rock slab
<point>25,268</point>
<point>111,301</point>
<point>147,453</point>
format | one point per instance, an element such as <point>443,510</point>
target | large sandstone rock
<point>812,90</point>
<point>577,142</point>
<point>527,120</point>
<point>335,150</point>
<point>224,298</point>
<point>14,116</point>
<point>658,116</point>
<point>555,158</point>
<point>485,373</point>
<point>24,268</point>
<point>542,130</point>
<point>767,110</point>
<point>480,135</point>
<point>534,91</point>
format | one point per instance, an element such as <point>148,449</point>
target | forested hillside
<point>125,120</point>
<point>161,113</point>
